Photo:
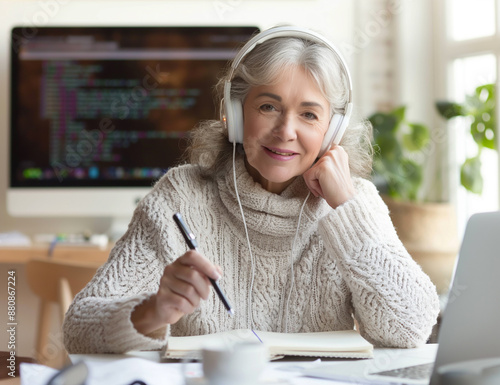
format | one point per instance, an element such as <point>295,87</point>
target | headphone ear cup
<point>336,130</point>
<point>331,133</point>
<point>234,121</point>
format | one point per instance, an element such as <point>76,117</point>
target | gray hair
<point>209,145</point>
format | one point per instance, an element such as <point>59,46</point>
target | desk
<point>105,368</point>
<point>21,255</point>
<point>272,374</point>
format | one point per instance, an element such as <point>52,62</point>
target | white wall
<point>416,37</point>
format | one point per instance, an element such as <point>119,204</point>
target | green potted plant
<point>428,229</point>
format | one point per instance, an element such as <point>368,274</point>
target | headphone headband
<point>286,31</point>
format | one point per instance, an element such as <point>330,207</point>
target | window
<point>471,56</point>
<point>471,19</point>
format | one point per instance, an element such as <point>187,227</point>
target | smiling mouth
<point>280,153</point>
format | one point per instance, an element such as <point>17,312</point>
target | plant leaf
<point>483,129</point>
<point>449,110</point>
<point>389,147</point>
<point>413,178</point>
<point>470,175</point>
<point>383,124</point>
<point>399,113</point>
<point>417,138</point>
<point>405,181</point>
<point>487,90</point>
<point>483,133</point>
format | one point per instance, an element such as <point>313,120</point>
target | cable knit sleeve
<point>394,301</point>
<point>98,320</point>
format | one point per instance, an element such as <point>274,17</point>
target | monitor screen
<point>110,106</point>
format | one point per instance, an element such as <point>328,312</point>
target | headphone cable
<point>250,303</point>
<point>292,283</point>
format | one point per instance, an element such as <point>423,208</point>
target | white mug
<point>240,363</point>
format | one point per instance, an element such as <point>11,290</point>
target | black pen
<point>191,242</point>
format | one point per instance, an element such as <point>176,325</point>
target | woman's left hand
<point>330,177</point>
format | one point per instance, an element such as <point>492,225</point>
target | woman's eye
<point>310,116</point>
<point>267,108</point>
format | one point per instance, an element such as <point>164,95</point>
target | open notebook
<point>345,343</point>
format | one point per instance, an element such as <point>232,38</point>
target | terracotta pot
<point>429,233</point>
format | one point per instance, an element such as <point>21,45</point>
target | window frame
<point>446,51</point>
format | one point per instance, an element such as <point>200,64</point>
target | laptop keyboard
<point>416,372</point>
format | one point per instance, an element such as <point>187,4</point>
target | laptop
<point>470,325</point>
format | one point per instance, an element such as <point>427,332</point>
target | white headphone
<point>232,110</point>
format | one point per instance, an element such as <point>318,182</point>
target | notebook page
<point>334,341</point>
<point>194,343</point>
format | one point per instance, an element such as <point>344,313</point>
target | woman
<point>303,244</point>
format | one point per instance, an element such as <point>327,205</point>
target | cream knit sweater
<point>347,262</point>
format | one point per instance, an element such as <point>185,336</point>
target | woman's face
<point>284,126</point>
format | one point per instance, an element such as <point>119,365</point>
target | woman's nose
<point>284,128</point>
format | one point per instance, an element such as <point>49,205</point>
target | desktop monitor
<point>98,114</point>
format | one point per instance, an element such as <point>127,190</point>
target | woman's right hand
<point>183,285</point>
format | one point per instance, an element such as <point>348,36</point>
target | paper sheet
<point>126,371</point>
<point>120,372</point>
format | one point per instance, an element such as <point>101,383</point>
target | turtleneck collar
<point>267,213</point>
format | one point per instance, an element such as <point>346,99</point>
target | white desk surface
<point>275,373</point>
